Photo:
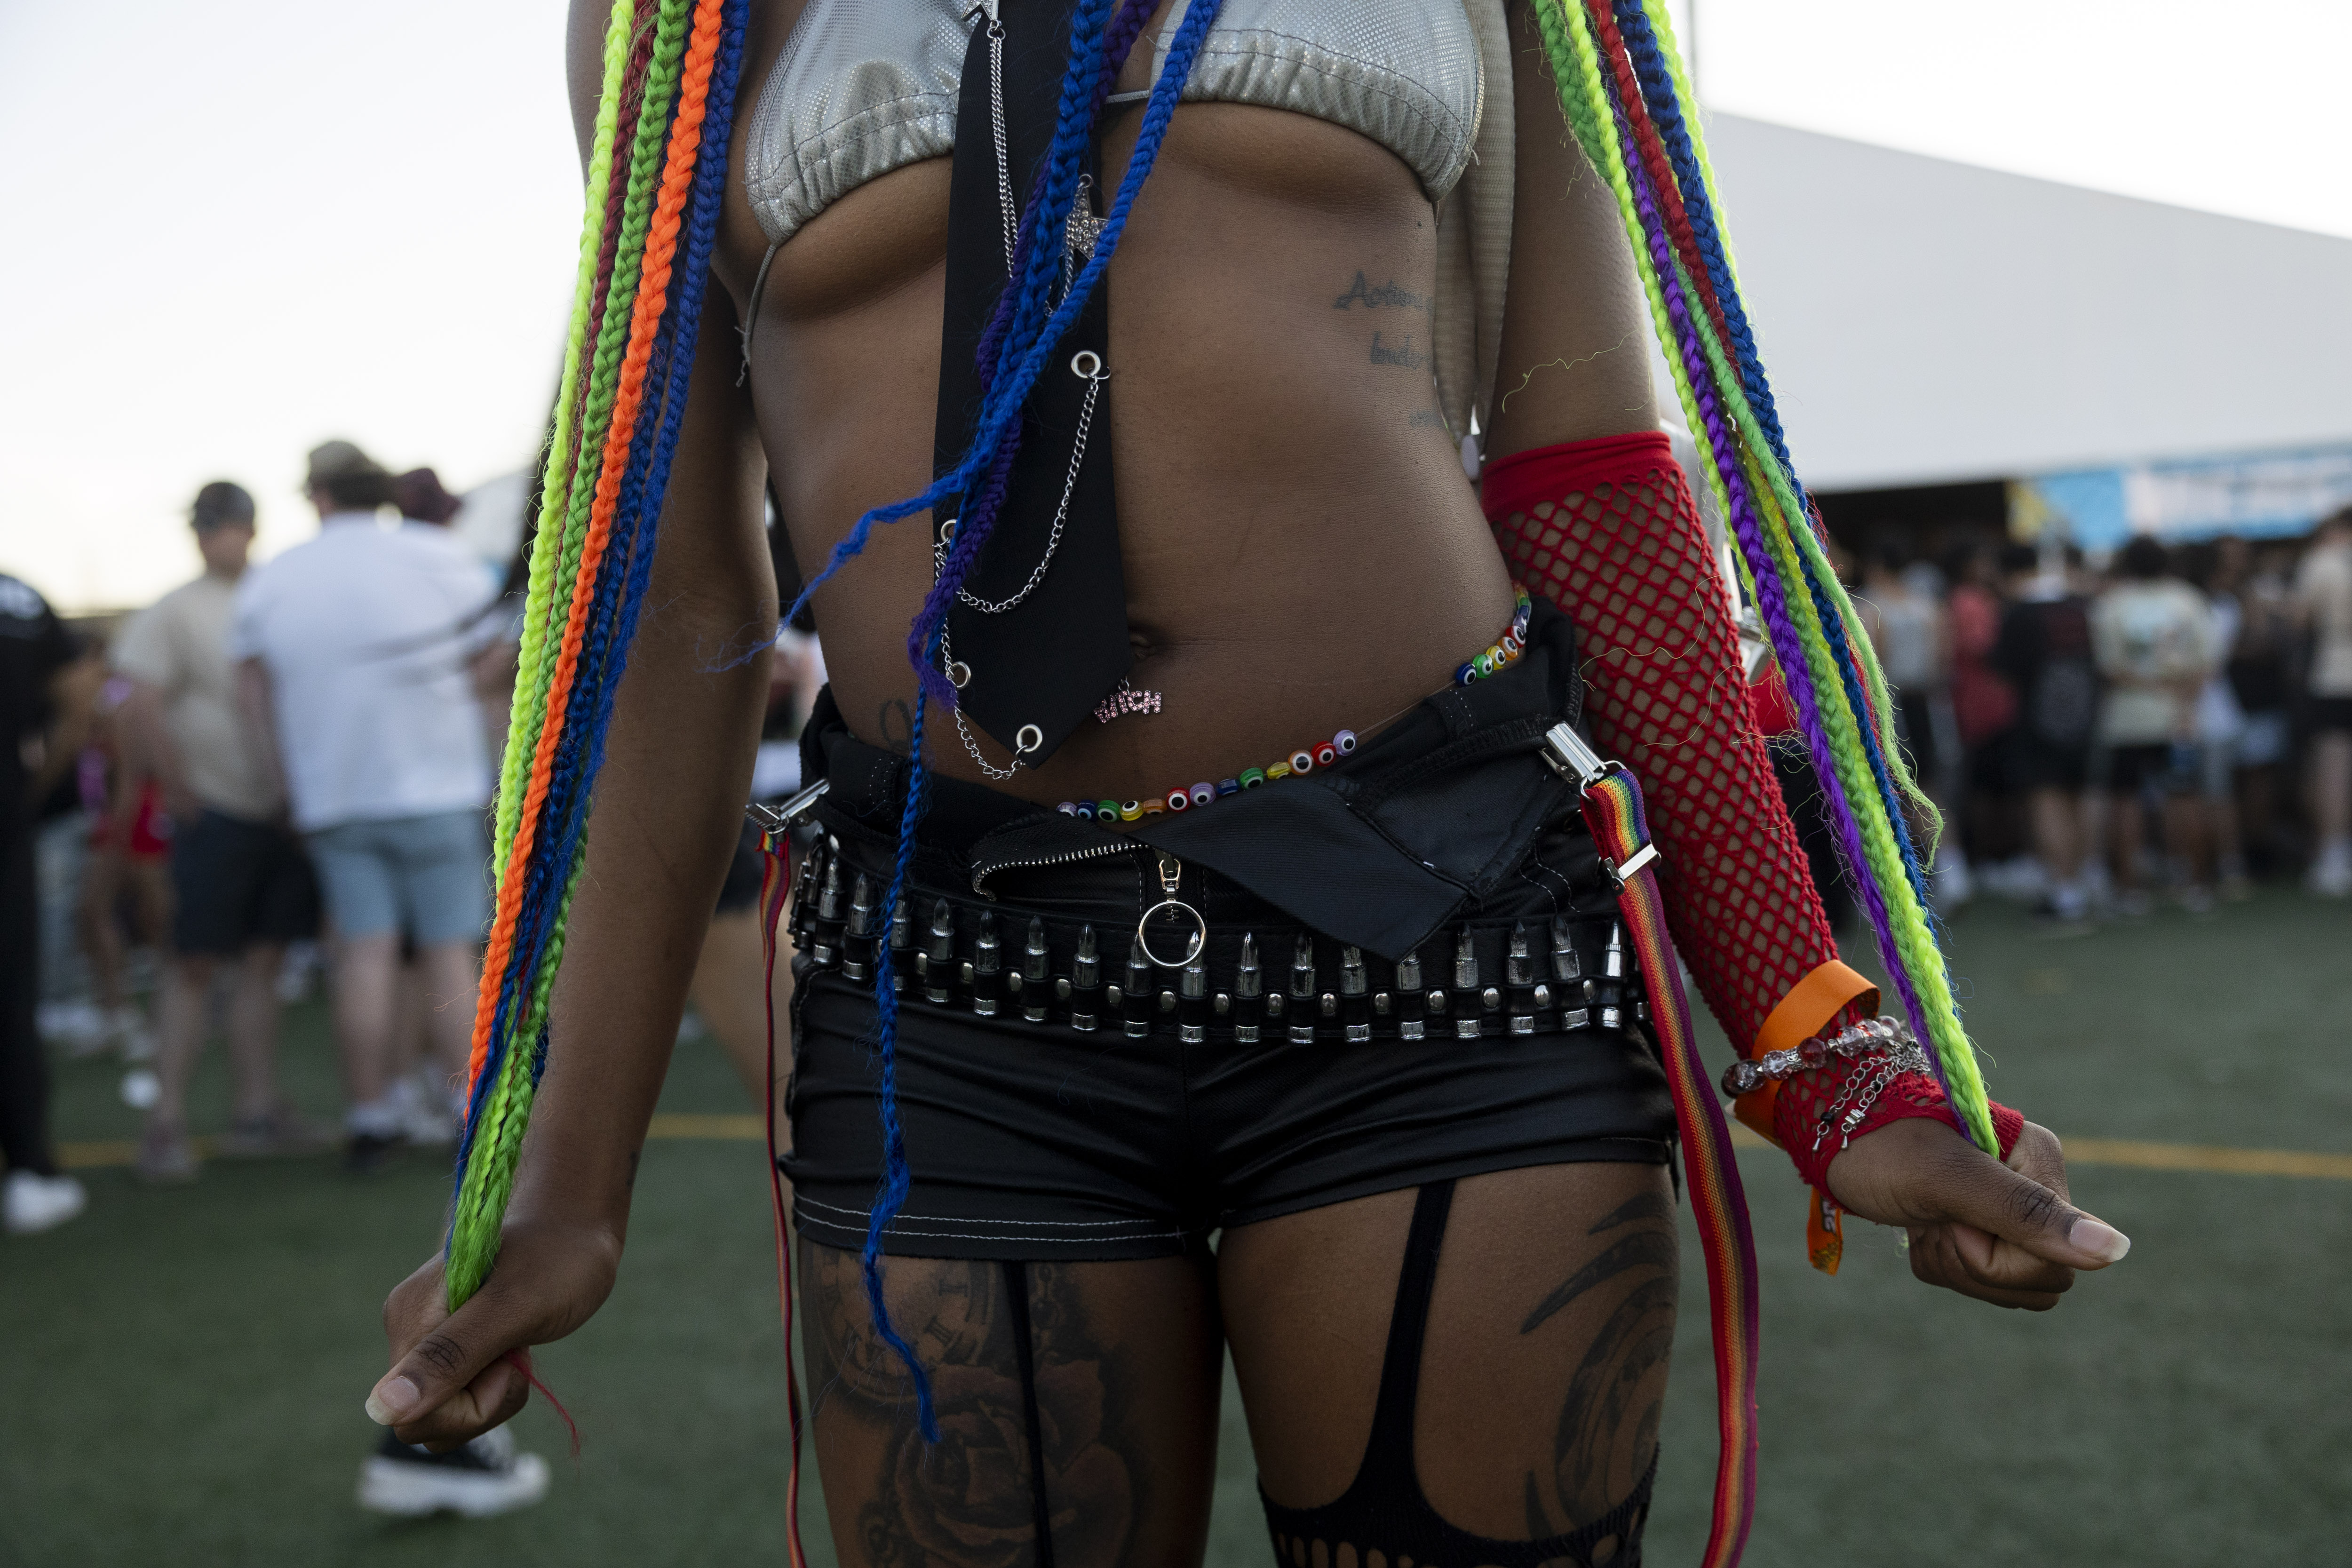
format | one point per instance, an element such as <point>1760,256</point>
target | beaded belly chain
<point>1499,655</point>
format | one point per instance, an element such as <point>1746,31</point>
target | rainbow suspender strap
<point>1622,83</point>
<point>1612,809</point>
<point>657,174</point>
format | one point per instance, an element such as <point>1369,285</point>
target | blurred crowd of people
<point>271,769</point>
<point>2166,722</point>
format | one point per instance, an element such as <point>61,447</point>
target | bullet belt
<point>1261,984</point>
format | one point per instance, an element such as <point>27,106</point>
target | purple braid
<point>1788,644</point>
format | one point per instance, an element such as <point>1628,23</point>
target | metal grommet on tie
<point>1027,739</point>
<point>959,674</point>
<point>1085,365</point>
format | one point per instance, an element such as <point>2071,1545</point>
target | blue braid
<point>1002,406</point>
<point>1154,131</point>
<point>999,412</point>
<point>898,1177</point>
<point>620,588</point>
<point>1666,113</point>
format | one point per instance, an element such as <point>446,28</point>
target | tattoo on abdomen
<point>895,724</point>
<point>1609,1423</point>
<point>967,1499</point>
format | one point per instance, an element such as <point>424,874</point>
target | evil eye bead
<point>1326,754</point>
<point>1106,811</point>
<point>1302,760</point>
<point>1069,809</point>
<point>1202,794</point>
<point>1279,771</point>
<point>1179,801</point>
<point>1154,808</point>
<point>1132,811</point>
<point>1253,777</point>
<point>1229,786</point>
<point>1466,674</point>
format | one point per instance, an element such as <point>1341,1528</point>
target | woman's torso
<point>1302,552</point>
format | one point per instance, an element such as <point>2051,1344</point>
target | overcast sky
<point>246,227</point>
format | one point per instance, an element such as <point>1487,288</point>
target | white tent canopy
<point>1925,321</point>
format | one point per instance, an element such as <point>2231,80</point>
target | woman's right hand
<point>450,1380</point>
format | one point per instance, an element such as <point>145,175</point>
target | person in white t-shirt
<point>355,649</point>
<point>2153,637</point>
<point>2323,607</point>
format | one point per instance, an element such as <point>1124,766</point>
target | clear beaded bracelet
<point>1870,1038</point>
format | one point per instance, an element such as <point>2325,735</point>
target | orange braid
<point>653,298</point>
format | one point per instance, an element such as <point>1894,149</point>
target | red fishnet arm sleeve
<point>1607,531</point>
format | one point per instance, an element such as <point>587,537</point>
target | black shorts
<point>2169,767</point>
<point>2324,714</point>
<point>1032,1135</point>
<point>2035,762</point>
<point>235,884</point>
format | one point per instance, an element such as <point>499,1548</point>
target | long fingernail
<point>2100,1240</point>
<point>391,1400</point>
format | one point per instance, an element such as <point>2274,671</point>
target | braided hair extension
<point>671,69</point>
<point>1622,87</point>
<point>1033,326</point>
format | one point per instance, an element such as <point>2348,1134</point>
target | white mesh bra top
<point>865,87</point>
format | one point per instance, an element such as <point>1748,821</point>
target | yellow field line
<point>2079,1150</point>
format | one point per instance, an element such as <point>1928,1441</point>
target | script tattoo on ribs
<point>1609,1423</point>
<point>967,1500</point>
<point>1372,298</point>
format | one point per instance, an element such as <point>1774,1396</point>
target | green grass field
<point>181,1371</point>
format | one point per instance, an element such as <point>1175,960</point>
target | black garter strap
<point>1384,1511</point>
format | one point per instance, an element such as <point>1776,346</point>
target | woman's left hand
<point>2000,1232</point>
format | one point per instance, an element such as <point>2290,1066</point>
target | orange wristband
<point>1804,1012</point>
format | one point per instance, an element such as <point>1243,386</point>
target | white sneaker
<point>41,1203</point>
<point>486,1476</point>
<point>2331,875</point>
<point>424,1116</point>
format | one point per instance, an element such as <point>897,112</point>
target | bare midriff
<point>1303,553</point>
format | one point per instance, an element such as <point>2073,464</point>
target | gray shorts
<point>427,878</point>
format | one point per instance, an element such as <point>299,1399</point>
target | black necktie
<point>1038,669</point>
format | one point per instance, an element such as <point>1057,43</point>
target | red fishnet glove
<point>1607,531</point>
<point>1805,1098</point>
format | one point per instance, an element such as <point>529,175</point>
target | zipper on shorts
<point>1068,858</point>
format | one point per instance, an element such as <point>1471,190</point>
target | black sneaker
<point>366,1152</point>
<point>486,1476</point>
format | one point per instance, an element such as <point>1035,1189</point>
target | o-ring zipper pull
<point>1172,873</point>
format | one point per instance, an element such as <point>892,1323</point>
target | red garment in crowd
<point>1983,703</point>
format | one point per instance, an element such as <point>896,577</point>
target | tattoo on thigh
<point>1609,1423</point>
<point>969,1498</point>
